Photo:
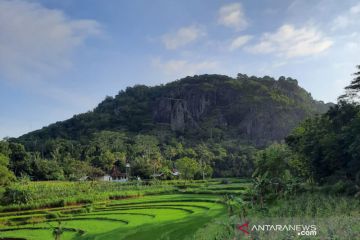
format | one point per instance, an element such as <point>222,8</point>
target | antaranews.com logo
<point>298,229</point>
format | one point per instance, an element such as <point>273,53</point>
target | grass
<point>335,217</point>
<point>161,217</point>
<point>97,210</point>
<point>170,210</point>
<point>59,194</point>
<point>50,194</point>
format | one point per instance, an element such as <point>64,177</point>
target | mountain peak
<point>255,110</point>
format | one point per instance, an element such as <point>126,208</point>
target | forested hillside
<point>213,120</point>
<point>256,110</point>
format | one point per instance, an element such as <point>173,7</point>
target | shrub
<point>224,181</point>
<point>16,196</point>
<point>53,215</point>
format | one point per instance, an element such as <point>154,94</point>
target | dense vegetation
<point>210,123</point>
<point>210,209</point>
<point>335,217</point>
<point>108,152</point>
<point>198,108</point>
<point>314,175</point>
<point>329,144</point>
<point>104,210</point>
<point>154,217</point>
<point>322,150</point>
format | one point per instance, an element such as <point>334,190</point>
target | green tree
<point>165,170</point>
<point>104,161</point>
<point>353,89</point>
<point>6,176</point>
<point>187,167</point>
<point>277,173</point>
<point>147,158</point>
<point>205,157</point>
<point>276,160</point>
<point>47,170</point>
<point>4,148</point>
<point>330,143</point>
<point>170,152</point>
<point>19,159</point>
<point>110,140</point>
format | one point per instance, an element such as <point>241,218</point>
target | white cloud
<point>36,42</point>
<point>355,9</point>
<point>341,22</point>
<point>347,19</point>
<point>181,68</point>
<point>233,16</point>
<point>291,42</point>
<point>239,42</point>
<point>182,37</point>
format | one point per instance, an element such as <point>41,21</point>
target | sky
<point>60,58</point>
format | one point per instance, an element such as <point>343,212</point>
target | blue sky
<point>60,58</point>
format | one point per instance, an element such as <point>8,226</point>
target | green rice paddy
<point>166,216</point>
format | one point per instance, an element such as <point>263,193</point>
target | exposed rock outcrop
<point>255,110</point>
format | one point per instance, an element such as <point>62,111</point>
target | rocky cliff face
<point>182,111</point>
<point>255,110</point>
<point>258,110</point>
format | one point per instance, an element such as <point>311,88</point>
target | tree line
<point>147,155</point>
<point>323,150</point>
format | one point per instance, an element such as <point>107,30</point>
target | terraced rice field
<point>176,216</point>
